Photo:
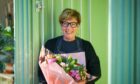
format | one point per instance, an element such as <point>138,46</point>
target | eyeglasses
<point>72,24</point>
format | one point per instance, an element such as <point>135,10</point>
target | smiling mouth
<point>68,32</point>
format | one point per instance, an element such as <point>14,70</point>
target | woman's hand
<point>42,55</point>
<point>90,77</point>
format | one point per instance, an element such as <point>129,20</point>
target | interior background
<point>119,54</point>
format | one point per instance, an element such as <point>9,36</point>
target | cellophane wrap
<point>54,74</point>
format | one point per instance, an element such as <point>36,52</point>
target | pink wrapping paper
<point>54,74</point>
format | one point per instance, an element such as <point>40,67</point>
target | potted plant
<point>7,46</point>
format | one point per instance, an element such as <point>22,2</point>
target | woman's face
<point>69,29</point>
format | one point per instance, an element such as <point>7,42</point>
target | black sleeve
<point>92,60</point>
<point>41,76</point>
<point>51,44</point>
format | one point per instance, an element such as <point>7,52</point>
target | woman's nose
<point>69,26</point>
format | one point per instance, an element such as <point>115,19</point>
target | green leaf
<point>8,48</point>
<point>59,58</point>
<point>69,59</point>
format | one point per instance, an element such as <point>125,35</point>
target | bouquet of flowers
<point>70,65</point>
<point>62,70</point>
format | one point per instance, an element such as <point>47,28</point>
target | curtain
<point>125,46</point>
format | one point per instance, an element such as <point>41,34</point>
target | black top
<point>66,46</point>
<point>58,45</point>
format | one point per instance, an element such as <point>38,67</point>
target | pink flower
<point>77,77</point>
<point>73,73</point>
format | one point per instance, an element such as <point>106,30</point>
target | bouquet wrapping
<point>61,70</point>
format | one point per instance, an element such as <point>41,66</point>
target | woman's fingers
<point>42,54</point>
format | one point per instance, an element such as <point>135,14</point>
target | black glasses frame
<point>72,24</point>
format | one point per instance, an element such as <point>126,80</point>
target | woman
<point>78,48</point>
